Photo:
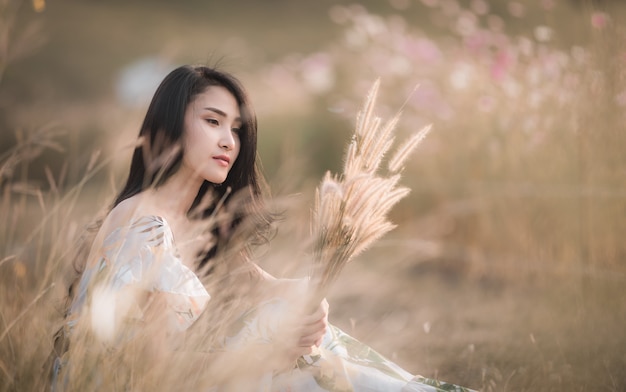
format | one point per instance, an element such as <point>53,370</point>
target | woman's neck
<point>178,192</point>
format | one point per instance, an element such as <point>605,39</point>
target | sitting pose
<point>170,267</point>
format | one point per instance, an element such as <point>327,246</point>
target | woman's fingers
<point>324,306</point>
<point>312,335</point>
<point>320,313</point>
<point>314,326</point>
<point>307,329</point>
<point>318,327</point>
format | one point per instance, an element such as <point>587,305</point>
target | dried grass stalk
<point>351,209</point>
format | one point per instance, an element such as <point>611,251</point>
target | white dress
<point>143,257</point>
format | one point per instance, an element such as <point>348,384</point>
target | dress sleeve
<point>142,257</point>
<point>149,258</point>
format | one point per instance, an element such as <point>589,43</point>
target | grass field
<point>507,270</point>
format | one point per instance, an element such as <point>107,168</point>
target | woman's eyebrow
<point>221,113</point>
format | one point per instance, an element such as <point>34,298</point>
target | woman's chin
<point>215,179</point>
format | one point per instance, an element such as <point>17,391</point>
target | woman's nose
<point>227,142</point>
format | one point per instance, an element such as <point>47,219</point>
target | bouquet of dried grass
<point>350,211</point>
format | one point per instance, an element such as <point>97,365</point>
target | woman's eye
<point>236,130</point>
<point>212,121</point>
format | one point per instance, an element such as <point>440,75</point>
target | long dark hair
<point>163,127</point>
<point>159,153</point>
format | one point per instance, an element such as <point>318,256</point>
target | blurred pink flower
<point>450,8</point>
<point>339,14</point>
<point>318,72</point>
<point>480,7</point>
<point>462,75</point>
<point>516,9</point>
<point>399,66</point>
<point>579,54</point>
<point>501,65</point>
<point>620,99</point>
<point>476,42</point>
<point>280,76</point>
<point>525,46</point>
<point>495,23</point>
<point>599,20</point>
<point>543,33</point>
<point>466,23</point>
<point>427,98</point>
<point>571,81</point>
<point>556,62</point>
<point>400,4</point>
<point>486,103</point>
<point>422,49</point>
<point>548,4</point>
<point>430,3</point>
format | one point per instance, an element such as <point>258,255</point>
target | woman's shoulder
<point>128,227</point>
<point>135,215</point>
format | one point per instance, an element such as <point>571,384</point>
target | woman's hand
<point>300,328</point>
<point>308,331</point>
<point>314,327</point>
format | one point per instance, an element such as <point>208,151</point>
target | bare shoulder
<point>132,209</point>
<point>122,214</point>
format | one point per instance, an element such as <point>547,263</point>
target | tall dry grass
<point>533,217</point>
<point>351,209</point>
<point>526,167</point>
<point>518,198</point>
<point>39,238</point>
<point>44,235</point>
<point>35,233</point>
<point>152,359</point>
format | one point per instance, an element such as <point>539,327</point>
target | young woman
<point>170,262</point>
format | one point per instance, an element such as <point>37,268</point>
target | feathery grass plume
<point>350,211</point>
<point>396,162</point>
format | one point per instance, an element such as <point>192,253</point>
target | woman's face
<point>211,139</point>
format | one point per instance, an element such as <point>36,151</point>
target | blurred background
<point>508,266</point>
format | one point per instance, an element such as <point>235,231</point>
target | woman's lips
<point>222,160</point>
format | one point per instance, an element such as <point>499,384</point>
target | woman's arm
<point>279,312</point>
<point>309,325</point>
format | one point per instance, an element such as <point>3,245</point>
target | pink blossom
<point>450,8</point>
<point>400,4</point>
<point>423,50</point>
<point>543,33</point>
<point>495,23</point>
<point>430,3</point>
<point>599,20</point>
<point>501,65</point>
<point>516,9</point>
<point>462,75</point>
<point>476,42</point>
<point>548,4</point>
<point>318,73</point>
<point>620,99</point>
<point>466,23</point>
<point>427,98</point>
<point>480,7</point>
<point>486,103</point>
<point>339,14</point>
